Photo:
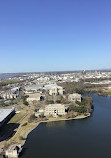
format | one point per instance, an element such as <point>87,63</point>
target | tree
<point>31,118</point>
<point>41,98</point>
<point>85,106</point>
<point>58,101</point>
<point>63,101</point>
<point>1,97</point>
<point>25,100</point>
<point>49,101</point>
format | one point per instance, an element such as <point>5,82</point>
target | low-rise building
<point>55,109</point>
<point>13,151</point>
<point>33,88</point>
<point>34,97</point>
<point>56,90</point>
<point>74,97</point>
<point>10,94</point>
<point>11,154</point>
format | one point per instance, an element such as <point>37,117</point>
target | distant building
<point>33,88</point>
<point>34,97</point>
<point>55,109</point>
<point>74,97</point>
<point>49,85</point>
<point>56,90</point>
<point>15,90</point>
<point>10,94</point>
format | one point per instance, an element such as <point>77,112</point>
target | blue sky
<point>55,35</point>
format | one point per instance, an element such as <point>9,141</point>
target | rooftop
<point>4,113</point>
<point>54,105</point>
<point>33,87</point>
<point>35,96</point>
<point>48,86</point>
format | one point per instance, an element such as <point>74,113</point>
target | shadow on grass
<point>7,131</point>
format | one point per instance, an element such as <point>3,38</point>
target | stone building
<point>10,94</point>
<point>13,151</point>
<point>34,97</point>
<point>56,90</point>
<point>55,109</point>
<point>74,97</point>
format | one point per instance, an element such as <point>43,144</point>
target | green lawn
<point>108,93</point>
<point>17,117</point>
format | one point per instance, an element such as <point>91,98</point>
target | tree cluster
<point>85,106</point>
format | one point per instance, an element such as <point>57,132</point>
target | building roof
<point>48,86</point>
<point>15,88</point>
<point>4,113</point>
<point>33,87</point>
<point>74,94</point>
<point>54,105</point>
<point>35,96</point>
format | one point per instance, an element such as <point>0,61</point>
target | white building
<point>11,154</point>
<point>56,90</point>
<point>34,97</point>
<point>74,97</point>
<point>33,88</point>
<point>13,151</point>
<point>10,94</point>
<point>54,110</point>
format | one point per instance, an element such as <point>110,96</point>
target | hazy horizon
<point>54,71</point>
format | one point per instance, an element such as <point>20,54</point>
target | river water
<point>86,138</point>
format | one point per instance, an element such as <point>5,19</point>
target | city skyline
<point>40,36</point>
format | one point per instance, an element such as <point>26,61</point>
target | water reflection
<point>56,124</point>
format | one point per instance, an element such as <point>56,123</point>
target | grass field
<point>17,117</point>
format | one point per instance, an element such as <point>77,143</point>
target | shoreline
<point>38,123</point>
<point>23,141</point>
